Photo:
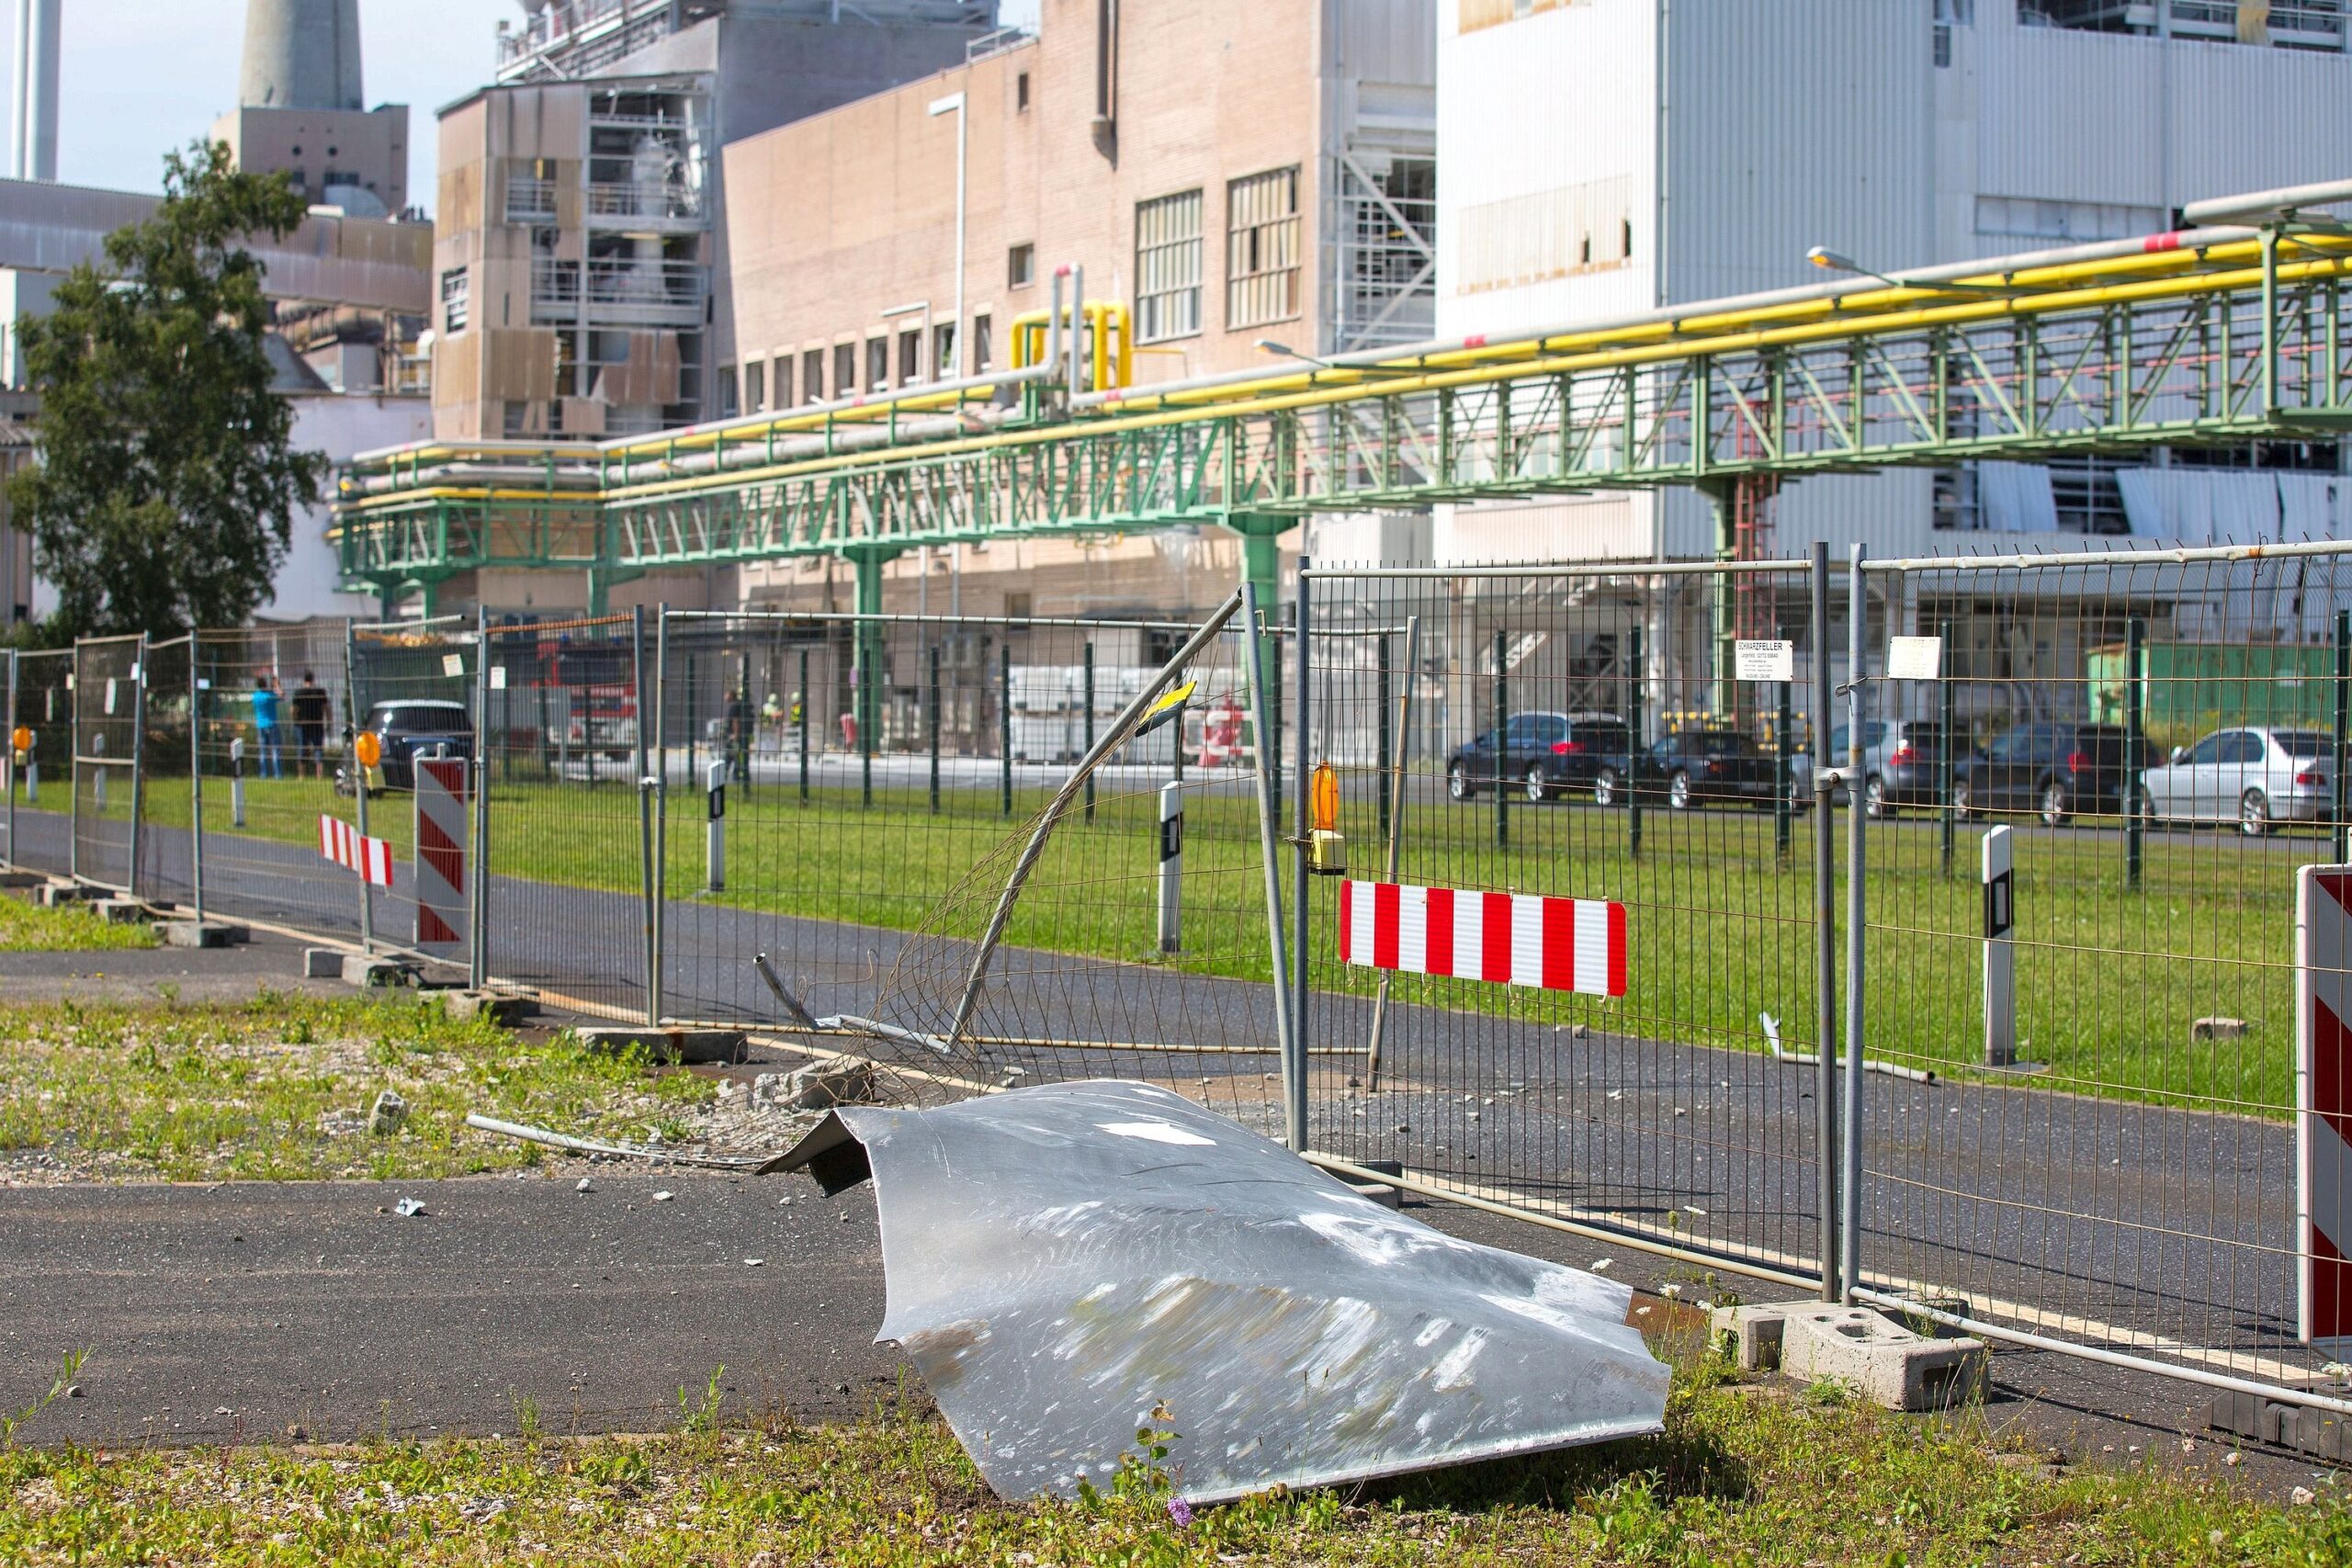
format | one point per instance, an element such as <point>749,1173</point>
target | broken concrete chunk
<point>2217,1029</point>
<point>1879,1359</point>
<point>321,963</point>
<point>823,1085</point>
<point>408,1208</point>
<point>388,1115</point>
<point>671,1044</point>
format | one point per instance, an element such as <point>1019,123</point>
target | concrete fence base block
<point>499,1007</point>
<point>18,880</point>
<point>57,895</point>
<point>323,962</point>
<point>1380,1193</point>
<point>122,911</point>
<point>364,969</point>
<point>673,1045</point>
<point>2322,1434</point>
<point>1879,1359</point>
<point>201,933</point>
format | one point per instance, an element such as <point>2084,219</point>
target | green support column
<point>1720,701</point>
<point>865,700</point>
<point>1262,564</point>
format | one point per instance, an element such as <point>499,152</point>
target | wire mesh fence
<point>272,707</point>
<point>110,710</point>
<point>1570,963</point>
<point>416,692</point>
<point>40,790</point>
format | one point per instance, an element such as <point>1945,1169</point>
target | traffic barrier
<point>443,809</point>
<point>347,847</point>
<point>1553,944</point>
<point>2324,1107</point>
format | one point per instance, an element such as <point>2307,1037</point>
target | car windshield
<point>1715,743</point>
<point>2301,743</point>
<point>407,719</point>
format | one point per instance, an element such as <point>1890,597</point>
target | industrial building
<point>581,200</point>
<point>301,109</point>
<point>1713,144</point>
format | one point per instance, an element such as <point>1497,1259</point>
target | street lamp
<point>953,104</point>
<point>1284,351</point>
<point>1828,260</point>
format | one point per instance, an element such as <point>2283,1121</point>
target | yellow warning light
<point>370,749</point>
<point>21,738</point>
<point>1326,853</point>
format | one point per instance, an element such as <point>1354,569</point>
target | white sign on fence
<point>453,664</point>
<point>1915,659</point>
<point>498,677</point>
<point>1762,661</point>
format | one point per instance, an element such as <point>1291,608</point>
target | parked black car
<point>1541,755</point>
<point>2057,770</point>
<point>408,730</point>
<point>1690,769</point>
<point>1902,763</point>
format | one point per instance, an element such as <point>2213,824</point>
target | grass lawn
<point>280,1088</point>
<point>1757,1474</point>
<point>1722,928</point>
<point>27,927</point>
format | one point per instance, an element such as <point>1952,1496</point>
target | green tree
<point>167,484</point>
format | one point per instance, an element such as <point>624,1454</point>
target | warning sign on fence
<point>1510,939</point>
<point>2323,1103</point>
<point>342,843</point>
<point>441,802</point>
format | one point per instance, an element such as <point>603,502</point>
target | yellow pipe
<point>1956,313</point>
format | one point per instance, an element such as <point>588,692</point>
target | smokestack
<point>33,138</point>
<point>300,55</point>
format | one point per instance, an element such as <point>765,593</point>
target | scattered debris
<point>74,1391</point>
<point>388,1115</point>
<point>663,1196</point>
<point>583,1185</point>
<point>408,1208</point>
<point>754,1262</point>
<point>1053,1268</point>
<point>1808,1059</point>
<point>2217,1029</point>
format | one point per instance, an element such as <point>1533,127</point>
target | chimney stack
<point>300,55</point>
<point>33,141</point>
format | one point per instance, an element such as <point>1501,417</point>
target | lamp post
<point>954,102</point>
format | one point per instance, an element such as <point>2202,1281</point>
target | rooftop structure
<point>302,108</point>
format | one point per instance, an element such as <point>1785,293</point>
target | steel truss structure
<point>2204,337</point>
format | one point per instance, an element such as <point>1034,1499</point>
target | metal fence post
<point>801,722</point>
<point>1380,742</point>
<point>2338,794</point>
<point>1825,934</point>
<point>1858,819</point>
<point>1004,720</point>
<point>73,763</point>
<point>15,760</point>
<point>1260,715</point>
<point>1948,831</point>
<point>934,728</point>
<point>862,704</point>
<point>1502,743</point>
<point>1294,1087</point>
<point>477,863</point>
<point>139,673</point>
<point>1088,698</point>
<point>647,951</point>
<point>1633,744</point>
<point>195,685</point>
<point>660,759</point>
<point>2135,653</point>
<point>359,778</point>
<point>1783,775</point>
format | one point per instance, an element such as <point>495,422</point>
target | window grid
<point>1167,267</point>
<point>1261,248</point>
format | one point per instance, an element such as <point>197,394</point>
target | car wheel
<point>1964,802</point>
<point>1457,783</point>
<point>2144,806</point>
<point>2254,813</point>
<point>1875,801</point>
<point>1604,788</point>
<point>2054,810</point>
<point>1677,791</point>
<point>1539,788</point>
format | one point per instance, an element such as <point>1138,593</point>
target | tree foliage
<point>167,483</point>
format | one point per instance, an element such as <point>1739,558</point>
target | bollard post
<point>1172,866</point>
<point>237,781</point>
<point>2000,951</point>
<point>714,842</point>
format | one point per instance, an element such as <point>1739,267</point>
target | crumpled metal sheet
<point>1061,1259</point>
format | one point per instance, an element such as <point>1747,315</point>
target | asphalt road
<point>2170,1223</point>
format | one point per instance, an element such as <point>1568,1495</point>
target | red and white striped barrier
<point>342,843</point>
<point>1510,938</point>
<point>2323,1103</point>
<point>441,798</point>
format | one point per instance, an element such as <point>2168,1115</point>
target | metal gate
<point>110,724</point>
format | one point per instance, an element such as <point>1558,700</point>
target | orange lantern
<point>369,749</point>
<point>1326,852</point>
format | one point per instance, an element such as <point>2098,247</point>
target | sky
<point>141,76</point>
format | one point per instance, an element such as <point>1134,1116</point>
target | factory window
<point>983,342</point>
<point>878,365</point>
<point>2030,218</point>
<point>1020,266</point>
<point>1167,267</point>
<point>1020,93</point>
<point>844,369</point>
<point>812,375</point>
<point>530,190</point>
<point>2288,24</point>
<point>755,386</point>
<point>1261,248</point>
<point>727,391</point>
<point>782,388</point>
<point>943,350</point>
<point>457,290</point>
<point>910,357</point>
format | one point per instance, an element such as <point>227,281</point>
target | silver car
<point>2253,776</point>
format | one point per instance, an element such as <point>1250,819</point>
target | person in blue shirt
<point>265,728</point>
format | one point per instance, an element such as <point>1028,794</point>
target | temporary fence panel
<point>41,791</point>
<point>167,862</point>
<point>561,876</point>
<point>414,687</point>
<point>273,714</point>
<point>1570,964</point>
<point>2153,746</point>
<point>108,709</point>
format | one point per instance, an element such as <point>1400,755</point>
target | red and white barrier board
<point>1510,938</point>
<point>441,799</point>
<point>2323,1103</point>
<point>371,858</point>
